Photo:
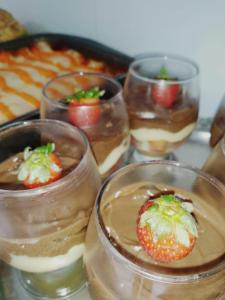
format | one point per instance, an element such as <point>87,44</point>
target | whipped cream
<point>148,134</point>
<point>38,264</point>
<point>114,156</point>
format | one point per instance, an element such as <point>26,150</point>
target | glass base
<point>137,156</point>
<point>59,284</point>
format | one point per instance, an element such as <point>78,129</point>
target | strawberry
<point>40,166</point>
<point>165,93</point>
<point>166,229</point>
<point>84,107</point>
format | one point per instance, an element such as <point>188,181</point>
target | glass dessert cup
<point>215,164</point>
<point>105,123</point>
<point>42,229</point>
<point>217,129</point>
<point>117,265</point>
<point>162,97</point>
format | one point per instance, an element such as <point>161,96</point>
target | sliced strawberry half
<point>166,229</point>
<point>165,93</point>
<point>40,166</point>
<point>84,107</point>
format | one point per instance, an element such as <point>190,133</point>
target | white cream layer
<point>40,264</point>
<point>114,156</point>
<point>150,134</point>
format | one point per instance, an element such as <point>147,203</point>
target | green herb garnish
<point>163,74</point>
<point>94,92</point>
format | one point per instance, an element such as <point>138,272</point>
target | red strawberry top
<point>84,108</point>
<point>166,229</point>
<point>41,166</point>
<point>165,93</point>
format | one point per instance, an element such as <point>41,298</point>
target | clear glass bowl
<point>163,109</point>
<point>118,267</point>
<point>109,134</point>
<point>42,230</point>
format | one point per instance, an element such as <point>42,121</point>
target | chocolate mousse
<point>105,122</point>
<point>110,144</point>
<point>155,129</point>
<point>218,126</point>
<point>45,229</point>
<point>47,193</point>
<point>215,163</point>
<point>129,272</point>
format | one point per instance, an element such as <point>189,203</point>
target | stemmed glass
<point>162,97</point>
<point>104,120</point>
<point>42,229</point>
<point>119,267</point>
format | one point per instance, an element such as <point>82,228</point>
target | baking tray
<point>194,153</point>
<point>89,48</point>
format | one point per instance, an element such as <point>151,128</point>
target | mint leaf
<point>94,92</point>
<point>163,74</point>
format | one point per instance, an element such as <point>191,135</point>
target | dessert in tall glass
<point>218,124</point>
<point>152,235</point>
<point>94,103</point>
<point>215,164</point>
<point>48,184</point>
<point>162,96</point>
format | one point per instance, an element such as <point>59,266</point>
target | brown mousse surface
<point>215,164</point>
<point>108,133</point>
<point>104,145</point>
<point>218,127</point>
<point>170,120</point>
<point>126,206</point>
<point>145,113</point>
<point>118,220</point>
<point>52,245</point>
<point>46,224</point>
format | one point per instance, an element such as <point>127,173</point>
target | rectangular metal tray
<point>89,48</point>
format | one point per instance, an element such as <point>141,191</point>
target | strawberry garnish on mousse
<point>166,229</point>
<point>84,107</point>
<point>40,167</point>
<point>165,93</point>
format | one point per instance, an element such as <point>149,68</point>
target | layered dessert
<point>217,129</point>
<point>110,148</point>
<point>101,114</point>
<point>155,241</point>
<point>162,112</point>
<point>47,192</point>
<point>215,163</point>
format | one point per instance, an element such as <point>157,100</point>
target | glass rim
<point>152,275</point>
<point>82,74</point>
<point>54,185</point>
<point>165,57</point>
